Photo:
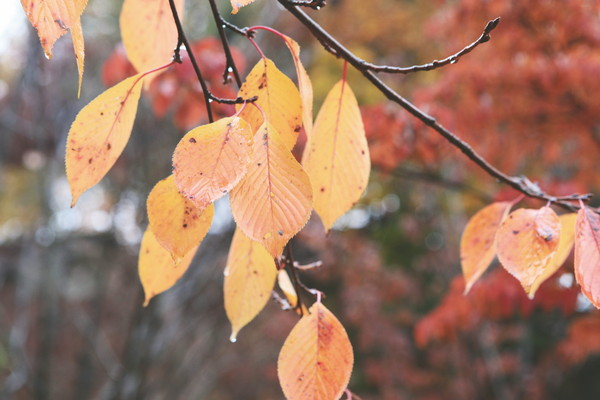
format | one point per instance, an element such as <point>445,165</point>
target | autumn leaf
<point>316,360</point>
<point>249,278</point>
<point>273,201</point>
<point>157,269</point>
<point>52,19</point>
<point>99,134</point>
<point>211,159</point>
<point>526,242</point>
<point>148,32</point>
<point>278,98</point>
<point>287,287</point>
<point>336,156</point>
<point>177,223</point>
<point>478,245</point>
<point>304,85</point>
<point>237,4</point>
<point>565,245</point>
<point>79,50</point>
<point>587,254</point>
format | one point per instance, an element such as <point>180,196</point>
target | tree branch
<point>519,183</point>
<point>181,39</point>
<point>314,4</point>
<point>230,64</point>
<point>453,59</point>
<point>208,96</point>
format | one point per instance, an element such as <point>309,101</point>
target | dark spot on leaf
<point>515,232</point>
<point>192,140</point>
<point>90,161</point>
<point>108,146</point>
<point>101,112</point>
<point>280,233</point>
<point>322,189</point>
<point>297,128</point>
<point>185,225</point>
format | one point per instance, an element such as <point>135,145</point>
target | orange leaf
<point>278,97</point>
<point>478,245</point>
<point>273,201</point>
<point>565,245</point>
<point>157,269</point>
<point>304,84</point>
<point>178,224</point>
<point>148,32</point>
<point>316,360</point>
<point>237,4</point>
<point>211,159</point>
<point>249,279</point>
<point>526,242</point>
<point>587,254</point>
<point>52,19</point>
<point>99,134</point>
<point>336,156</point>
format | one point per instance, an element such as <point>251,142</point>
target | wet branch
<point>182,40</point>
<point>519,183</point>
<point>230,66</point>
<point>485,37</point>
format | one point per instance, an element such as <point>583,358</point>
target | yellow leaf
<point>52,19</point>
<point>587,254</point>
<point>273,201</point>
<point>149,33</point>
<point>336,156</point>
<point>178,224</point>
<point>316,359</point>
<point>157,269</point>
<point>565,245</point>
<point>79,49</point>
<point>211,159</point>
<point>278,97</point>
<point>526,242</point>
<point>287,287</point>
<point>99,134</point>
<point>249,279</point>
<point>237,4</point>
<point>477,245</point>
<point>304,84</point>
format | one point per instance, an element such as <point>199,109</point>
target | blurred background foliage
<point>71,321</point>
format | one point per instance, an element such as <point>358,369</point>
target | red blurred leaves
<point>497,296</point>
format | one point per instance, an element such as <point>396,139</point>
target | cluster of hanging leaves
<point>532,245</point>
<point>247,155</point>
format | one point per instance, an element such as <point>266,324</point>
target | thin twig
<point>181,39</point>
<point>308,267</point>
<point>284,303</point>
<point>314,4</point>
<point>453,59</point>
<point>208,96</point>
<point>234,28</point>
<point>230,66</point>
<point>520,184</point>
